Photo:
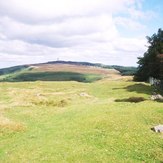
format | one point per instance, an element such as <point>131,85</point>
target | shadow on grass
<point>52,76</point>
<point>131,99</point>
<point>139,88</point>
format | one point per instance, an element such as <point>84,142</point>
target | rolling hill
<point>63,71</point>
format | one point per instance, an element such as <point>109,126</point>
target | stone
<point>156,97</point>
<point>84,94</point>
<point>158,128</point>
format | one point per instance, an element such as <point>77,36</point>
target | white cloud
<point>50,9</point>
<point>129,23</point>
<point>43,30</point>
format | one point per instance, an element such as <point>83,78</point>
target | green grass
<point>78,122</point>
<point>14,69</point>
<point>27,75</point>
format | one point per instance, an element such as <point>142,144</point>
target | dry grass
<point>24,97</point>
<point>47,102</point>
<point>75,68</point>
<point>8,124</point>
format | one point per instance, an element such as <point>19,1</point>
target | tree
<point>149,64</point>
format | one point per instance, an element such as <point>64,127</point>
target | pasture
<point>69,121</point>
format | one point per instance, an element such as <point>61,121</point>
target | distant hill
<point>10,70</point>
<point>124,70</point>
<point>63,71</point>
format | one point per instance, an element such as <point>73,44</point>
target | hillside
<point>124,70</point>
<point>62,71</point>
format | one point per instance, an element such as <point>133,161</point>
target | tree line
<point>151,65</point>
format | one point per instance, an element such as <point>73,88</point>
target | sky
<point>98,31</point>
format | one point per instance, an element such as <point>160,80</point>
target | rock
<point>158,128</point>
<point>156,97</point>
<point>84,94</point>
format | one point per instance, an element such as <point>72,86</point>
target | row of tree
<point>150,64</point>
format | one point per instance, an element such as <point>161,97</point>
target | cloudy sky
<point>100,31</point>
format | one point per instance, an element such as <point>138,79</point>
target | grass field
<point>71,121</point>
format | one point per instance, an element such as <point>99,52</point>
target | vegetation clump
<point>48,102</point>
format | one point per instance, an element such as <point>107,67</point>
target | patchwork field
<point>56,72</point>
<point>72,121</point>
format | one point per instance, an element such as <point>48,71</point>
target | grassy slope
<point>14,69</point>
<point>57,72</point>
<point>51,76</point>
<point>78,122</point>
